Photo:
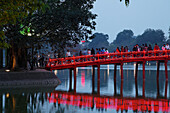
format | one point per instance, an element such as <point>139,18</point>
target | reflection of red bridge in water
<point>109,102</point>
<point>117,102</point>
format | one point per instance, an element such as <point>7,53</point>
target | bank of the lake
<point>38,77</point>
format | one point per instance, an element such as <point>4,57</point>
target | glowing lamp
<point>7,70</point>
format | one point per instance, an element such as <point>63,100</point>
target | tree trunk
<point>22,57</point>
<point>14,58</point>
<point>32,57</point>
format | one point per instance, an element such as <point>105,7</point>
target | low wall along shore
<point>28,78</point>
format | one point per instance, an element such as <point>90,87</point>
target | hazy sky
<point>114,16</point>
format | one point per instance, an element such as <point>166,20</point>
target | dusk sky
<point>114,16</point>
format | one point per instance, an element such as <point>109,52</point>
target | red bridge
<point>112,58</point>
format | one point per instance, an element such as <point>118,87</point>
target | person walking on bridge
<point>167,46</point>
<point>156,47</point>
<point>163,47</point>
<point>68,54</point>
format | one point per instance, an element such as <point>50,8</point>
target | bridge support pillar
<point>136,87</point>
<point>115,89</point>
<point>166,71</point>
<point>166,87</point>
<point>98,79</point>
<point>75,79</point>
<point>144,88</point>
<point>115,69</point>
<point>136,71</point>
<point>144,78</point>
<point>144,70</point>
<point>158,65</point>
<point>121,70</point>
<point>93,82</point>
<point>158,94</point>
<point>70,87</point>
<point>121,89</point>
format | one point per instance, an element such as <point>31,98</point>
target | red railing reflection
<point>85,60</point>
<point>109,102</point>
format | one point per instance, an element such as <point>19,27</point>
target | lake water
<point>123,96</point>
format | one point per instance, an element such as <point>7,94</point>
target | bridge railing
<point>109,56</point>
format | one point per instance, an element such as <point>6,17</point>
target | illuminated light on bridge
<point>109,102</point>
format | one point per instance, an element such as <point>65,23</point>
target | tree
<point>151,36</point>
<point>12,11</point>
<point>15,10</point>
<point>60,23</point>
<point>127,38</point>
<point>100,40</point>
<point>124,38</point>
<point>64,23</point>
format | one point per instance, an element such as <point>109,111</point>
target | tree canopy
<point>56,22</point>
<point>64,22</point>
<point>124,38</point>
<point>151,36</point>
<point>13,11</point>
<point>99,40</point>
<point>127,38</point>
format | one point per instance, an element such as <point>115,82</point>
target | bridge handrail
<point>98,57</point>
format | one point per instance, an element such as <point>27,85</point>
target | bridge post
<point>158,65</point>
<point>158,87</point>
<point>136,87</point>
<point>121,89</point>
<point>115,69</point>
<point>166,71</point>
<point>144,88</point>
<point>144,78</point>
<point>144,70</point>
<point>121,70</point>
<point>115,93</point>
<point>70,87</point>
<point>93,75</point>
<point>74,79</point>
<point>136,71</point>
<point>98,79</point>
<point>166,87</point>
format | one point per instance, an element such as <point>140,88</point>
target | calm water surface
<point>123,96</point>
